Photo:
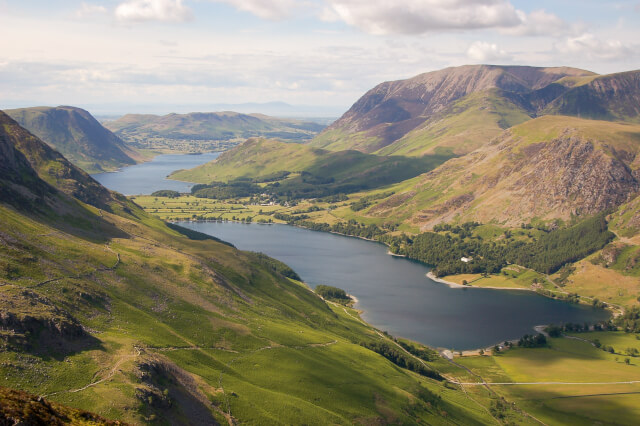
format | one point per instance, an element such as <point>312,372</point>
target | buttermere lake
<point>395,293</point>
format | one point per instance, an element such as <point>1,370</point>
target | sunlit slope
<point>107,309</point>
<point>547,168</point>
<point>262,159</point>
<point>462,127</point>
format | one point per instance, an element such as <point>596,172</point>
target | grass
<point>567,360</point>
<point>202,310</point>
<point>464,126</point>
<point>511,276</point>
<point>588,279</point>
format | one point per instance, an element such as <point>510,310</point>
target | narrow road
<point>631,382</point>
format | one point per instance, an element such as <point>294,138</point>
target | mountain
<point>105,308</point>
<point>77,135</point>
<point>456,108</point>
<point>460,109</point>
<point>547,168</point>
<point>204,129</point>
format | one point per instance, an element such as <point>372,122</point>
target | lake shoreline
<point>451,284</point>
<point>371,312</point>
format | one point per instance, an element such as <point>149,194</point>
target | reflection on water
<point>395,293</point>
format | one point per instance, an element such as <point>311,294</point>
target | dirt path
<point>119,361</point>
<point>631,382</point>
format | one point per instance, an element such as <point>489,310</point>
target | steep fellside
<point>392,110</point>
<point>77,135</point>
<point>609,97</point>
<point>121,315</point>
<point>24,153</point>
<point>550,167</point>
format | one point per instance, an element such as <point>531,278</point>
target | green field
<point>570,364</point>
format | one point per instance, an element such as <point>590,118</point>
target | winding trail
<point>120,360</point>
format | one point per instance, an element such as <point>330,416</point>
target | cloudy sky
<point>127,55</point>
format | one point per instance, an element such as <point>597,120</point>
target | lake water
<point>395,293</point>
<point>148,177</point>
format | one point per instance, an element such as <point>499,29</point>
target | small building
<point>466,259</point>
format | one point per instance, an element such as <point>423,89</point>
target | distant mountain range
<point>78,136</point>
<point>206,130</point>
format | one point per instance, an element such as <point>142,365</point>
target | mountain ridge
<point>423,114</point>
<point>77,135</point>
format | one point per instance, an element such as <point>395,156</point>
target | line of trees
<point>401,359</point>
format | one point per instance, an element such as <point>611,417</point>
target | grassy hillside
<point>110,310</point>
<point>78,136</point>
<point>207,131</point>
<point>310,172</point>
<point>544,169</point>
<point>462,127</point>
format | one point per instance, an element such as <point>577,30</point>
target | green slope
<point>77,135</point>
<point>314,172</point>
<point>614,97</point>
<point>110,310</point>
<point>462,127</point>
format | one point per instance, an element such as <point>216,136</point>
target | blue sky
<point>175,55</point>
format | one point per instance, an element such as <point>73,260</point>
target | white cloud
<point>420,16</point>
<point>589,46</point>
<point>539,22</point>
<point>153,10</point>
<point>86,10</point>
<point>481,51</point>
<point>272,10</point>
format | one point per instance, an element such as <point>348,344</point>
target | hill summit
<point>77,135</point>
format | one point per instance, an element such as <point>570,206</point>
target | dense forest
<point>547,254</point>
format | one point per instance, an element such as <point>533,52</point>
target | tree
<point>627,361</point>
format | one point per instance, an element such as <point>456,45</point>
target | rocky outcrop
<point>24,312</point>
